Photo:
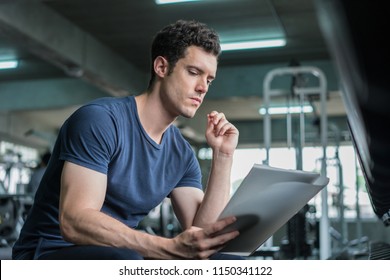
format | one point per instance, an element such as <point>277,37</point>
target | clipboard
<point>265,200</point>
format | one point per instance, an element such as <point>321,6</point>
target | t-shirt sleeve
<point>193,174</point>
<point>88,138</point>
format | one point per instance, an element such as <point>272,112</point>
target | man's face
<point>184,89</point>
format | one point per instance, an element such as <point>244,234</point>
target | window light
<point>271,43</point>
<point>8,64</point>
<point>285,110</point>
<point>163,2</point>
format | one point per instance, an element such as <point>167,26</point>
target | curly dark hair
<point>172,41</point>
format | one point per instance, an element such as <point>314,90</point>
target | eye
<point>193,72</point>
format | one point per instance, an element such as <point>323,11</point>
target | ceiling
<point>71,51</point>
<point>127,27</point>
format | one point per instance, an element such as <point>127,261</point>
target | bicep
<point>81,188</point>
<point>185,203</point>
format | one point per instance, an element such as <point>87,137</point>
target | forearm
<point>91,227</point>
<point>217,192</point>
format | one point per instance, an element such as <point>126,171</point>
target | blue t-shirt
<point>106,135</point>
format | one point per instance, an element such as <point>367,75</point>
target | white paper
<point>266,199</point>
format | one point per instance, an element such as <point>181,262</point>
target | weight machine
<point>14,201</point>
<point>303,92</point>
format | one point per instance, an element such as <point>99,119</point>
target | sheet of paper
<point>266,199</point>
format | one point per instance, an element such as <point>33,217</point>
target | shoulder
<point>101,110</point>
<point>98,119</point>
<point>111,102</point>
<point>108,104</point>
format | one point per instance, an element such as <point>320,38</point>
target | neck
<point>154,119</point>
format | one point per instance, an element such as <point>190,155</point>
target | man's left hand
<point>221,135</point>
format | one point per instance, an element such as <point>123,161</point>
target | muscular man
<point>115,159</point>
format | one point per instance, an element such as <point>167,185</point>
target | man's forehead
<point>198,57</point>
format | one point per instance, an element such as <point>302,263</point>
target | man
<point>117,158</point>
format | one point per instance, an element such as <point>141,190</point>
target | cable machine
<point>302,92</point>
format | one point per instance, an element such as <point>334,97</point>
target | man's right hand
<point>201,243</point>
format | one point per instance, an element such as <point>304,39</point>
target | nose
<point>202,86</point>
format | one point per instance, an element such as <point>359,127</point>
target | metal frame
<point>268,92</point>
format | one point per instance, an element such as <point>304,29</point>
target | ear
<point>161,66</point>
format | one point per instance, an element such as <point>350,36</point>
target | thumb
<point>210,124</point>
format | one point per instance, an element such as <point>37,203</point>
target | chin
<point>188,115</point>
<point>189,111</point>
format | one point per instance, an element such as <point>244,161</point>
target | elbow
<point>67,228</point>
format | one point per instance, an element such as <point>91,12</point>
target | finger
<point>222,127</point>
<point>218,117</point>
<point>210,119</point>
<point>215,117</point>
<point>219,225</point>
<point>228,128</point>
<point>210,240</point>
<point>218,120</point>
<point>217,242</point>
<point>211,115</point>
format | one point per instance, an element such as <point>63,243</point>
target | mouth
<point>196,100</point>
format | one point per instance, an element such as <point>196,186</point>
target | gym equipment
<point>302,92</point>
